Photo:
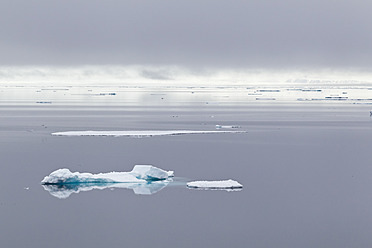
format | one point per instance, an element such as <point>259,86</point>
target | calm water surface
<point>306,170</point>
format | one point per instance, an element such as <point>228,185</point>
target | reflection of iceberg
<point>63,191</point>
<point>143,179</point>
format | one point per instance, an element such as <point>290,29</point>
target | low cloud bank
<point>140,75</point>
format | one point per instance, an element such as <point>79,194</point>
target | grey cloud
<point>207,33</point>
<point>160,75</point>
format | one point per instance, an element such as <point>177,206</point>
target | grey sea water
<point>306,168</point>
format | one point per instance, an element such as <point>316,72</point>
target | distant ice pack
<point>144,133</point>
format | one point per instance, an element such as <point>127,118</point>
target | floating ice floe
<point>225,126</point>
<point>224,185</point>
<point>139,174</point>
<point>137,133</point>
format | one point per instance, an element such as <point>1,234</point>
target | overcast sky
<point>211,33</point>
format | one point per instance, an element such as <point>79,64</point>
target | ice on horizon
<point>227,126</point>
<point>146,133</point>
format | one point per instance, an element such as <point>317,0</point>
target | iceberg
<point>145,133</point>
<point>139,174</point>
<point>224,184</point>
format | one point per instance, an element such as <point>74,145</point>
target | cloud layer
<point>158,76</point>
<point>192,33</point>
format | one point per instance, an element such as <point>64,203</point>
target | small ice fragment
<point>26,188</point>
<point>224,126</point>
<point>336,98</point>
<point>311,90</point>
<point>224,184</point>
<point>107,94</point>
<point>268,90</point>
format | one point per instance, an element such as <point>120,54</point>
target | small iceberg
<point>139,174</point>
<point>146,133</point>
<point>222,185</point>
<point>143,180</point>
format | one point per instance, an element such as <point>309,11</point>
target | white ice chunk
<point>63,176</point>
<point>224,184</point>
<point>225,126</point>
<point>147,133</point>
<point>139,174</point>
<point>149,172</point>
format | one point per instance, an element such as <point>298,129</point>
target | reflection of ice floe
<point>229,185</point>
<point>63,191</point>
<point>139,174</point>
<point>137,133</point>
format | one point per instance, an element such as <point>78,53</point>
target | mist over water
<point>173,85</point>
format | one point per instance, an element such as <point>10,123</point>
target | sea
<point>303,157</point>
